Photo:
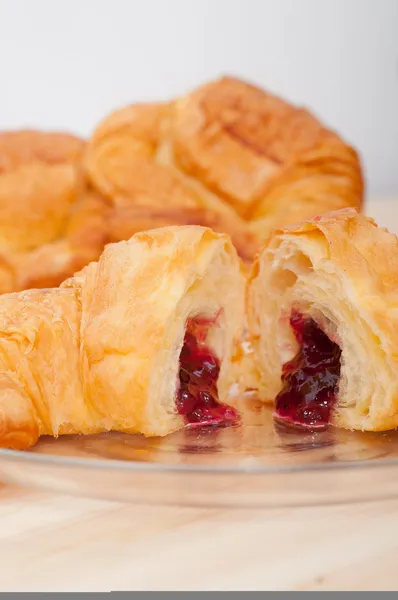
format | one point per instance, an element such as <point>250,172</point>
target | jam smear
<point>310,379</point>
<point>197,397</point>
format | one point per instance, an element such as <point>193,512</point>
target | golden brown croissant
<point>138,342</point>
<point>50,224</point>
<point>322,312</point>
<point>229,150</point>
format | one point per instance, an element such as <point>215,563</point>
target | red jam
<point>197,397</point>
<point>310,379</point>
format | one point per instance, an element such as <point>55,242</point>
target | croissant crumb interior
<point>199,369</point>
<point>310,380</point>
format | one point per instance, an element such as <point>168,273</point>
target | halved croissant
<point>138,342</point>
<point>323,316</point>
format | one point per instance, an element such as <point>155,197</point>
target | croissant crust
<point>229,156</point>
<point>51,223</point>
<point>102,351</point>
<point>341,271</point>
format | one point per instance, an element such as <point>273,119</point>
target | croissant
<point>139,341</point>
<point>51,223</point>
<point>228,156</point>
<point>322,313</point>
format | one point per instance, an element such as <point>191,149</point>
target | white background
<point>64,64</point>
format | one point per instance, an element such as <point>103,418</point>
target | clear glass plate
<point>257,464</point>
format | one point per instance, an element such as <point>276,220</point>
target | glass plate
<point>257,464</point>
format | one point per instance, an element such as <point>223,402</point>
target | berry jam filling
<point>311,378</point>
<point>197,397</point>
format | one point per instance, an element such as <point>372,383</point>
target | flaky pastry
<point>228,156</point>
<point>139,341</point>
<point>51,223</point>
<point>323,316</point>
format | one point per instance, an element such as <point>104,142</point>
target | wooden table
<point>54,542</point>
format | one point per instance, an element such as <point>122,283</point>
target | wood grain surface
<point>53,542</point>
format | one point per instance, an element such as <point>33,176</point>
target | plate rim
<point>150,467</point>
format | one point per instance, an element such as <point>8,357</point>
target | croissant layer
<point>102,352</point>
<point>322,315</point>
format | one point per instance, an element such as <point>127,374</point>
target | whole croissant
<point>229,156</point>
<point>51,222</point>
<point>138,342</point>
